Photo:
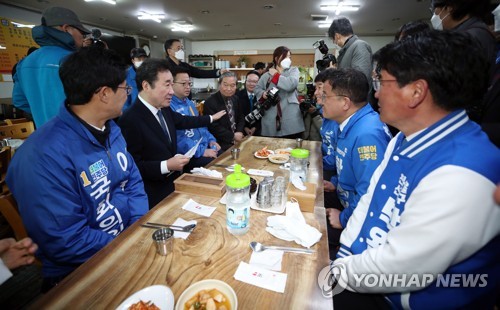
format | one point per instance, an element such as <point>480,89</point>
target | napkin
<point>268,259</point>
<point>293,227</point>
<point>207,172</point>
<point>298,183</point>
<point>197,208</point>
<point>268,279</point>
<point>263,173</point>
<point>182,222</point>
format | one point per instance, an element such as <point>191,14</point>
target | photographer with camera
<point>282,116</point>
<point>38,89</point>
<point>328,60</point>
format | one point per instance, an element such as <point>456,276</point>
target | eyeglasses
<point>323,97</point>
<point>185,84</point>
<point>377,83</point>
<point>127,88</point>
<point>252,81</point>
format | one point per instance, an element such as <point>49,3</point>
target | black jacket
<point>149,145</point>
<point>222,128</point>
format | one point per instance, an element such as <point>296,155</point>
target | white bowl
<point>207,285</point>
<point>160,295</point>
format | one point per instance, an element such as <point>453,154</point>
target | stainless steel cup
<point>299,142</point>
<point>235,153</point>
<point>164,239</point>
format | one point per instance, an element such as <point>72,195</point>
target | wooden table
<point>130,262</point>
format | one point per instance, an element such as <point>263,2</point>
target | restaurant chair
<point>12,121</point>
<point>8,208</point>
<point>5,155</point>
<point>17,131</point>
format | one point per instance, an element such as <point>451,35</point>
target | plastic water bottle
<point>238,202</point>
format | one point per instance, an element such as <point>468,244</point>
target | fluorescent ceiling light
<point>2,47</point>
<point>181,25</point>
<point>156,17</point>
<point>340,7</point>
<point>19,25</point>
<point>324,25</point>
<point>107,1</point>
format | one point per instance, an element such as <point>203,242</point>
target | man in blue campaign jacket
<point>428,218</point>
<point>37,88</point>
<point>361,139</point>
<point>76,185</point>
<point>187,138</point>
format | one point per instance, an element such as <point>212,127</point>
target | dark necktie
<point>163,125</point>
<point>230,113</point>
<point>251,98</point>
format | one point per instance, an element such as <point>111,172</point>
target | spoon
<point>259,247</point>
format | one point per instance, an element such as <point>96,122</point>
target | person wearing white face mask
<point>283,119</point>
<point>465,16</point>
<point>137,56</point>
<point>175,57</point>
<point>354,53</point>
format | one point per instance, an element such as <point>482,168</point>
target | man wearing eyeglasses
<point>207,148</point>
<point>75,183</point>
<point>429,213</point>
<point>38,89</point>
<point>361,139</point>
<point>230,128</point>
<point>247,100</point>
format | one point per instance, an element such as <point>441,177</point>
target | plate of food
<point>156,297</point>
<point>263,153</point>
<point>278,158</point>
<point>207,293</point>
<point>283,151</point>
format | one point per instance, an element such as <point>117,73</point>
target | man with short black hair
<point>76,185</point>
<point>175,57</point>
<point>37,88</point>
<point>354,53</point>
<point>429,212</point>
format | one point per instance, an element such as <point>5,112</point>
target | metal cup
<point>164,239</point>
<point>235,153</point>
<point>299,142</point>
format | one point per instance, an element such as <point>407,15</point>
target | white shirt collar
<point>149,106</point>
<point>344,123</point>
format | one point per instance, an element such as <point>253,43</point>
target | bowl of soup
<point>208,294</point>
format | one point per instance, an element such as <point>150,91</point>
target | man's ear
<point>419,90</point>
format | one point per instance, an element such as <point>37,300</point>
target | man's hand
<point>328,186</point>
<point>177,162</point>
<point>15,254</point>
<point>217,146</point>
<point>334,217</point>
<point>249,131</point>
<point>210,153</point>
<point>218,115</point>
<point>238,136</point>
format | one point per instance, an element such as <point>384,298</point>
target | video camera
<point>96,38</point>
<point>324,63</point>
<point>262,105</point>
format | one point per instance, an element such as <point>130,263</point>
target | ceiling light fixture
<point>340,7</point>
<point>107,1</point>
<point>155,17</point>
<point>324,24</point>
<point>182,25</point>
<point>19,25</point>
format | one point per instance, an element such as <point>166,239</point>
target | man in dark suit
<point>230,128</point>
<point>149,127</point>
<point>247,100</point>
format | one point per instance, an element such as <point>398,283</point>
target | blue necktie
<point>251,97</point>
<point>163,125</point>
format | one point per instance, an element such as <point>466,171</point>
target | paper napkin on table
<point>182,222</point>
<point>263,173</point>
<point>207,172</point>
<point>197,208</point>
<point>293,227</point>
<point>268,259</point>
<point>268,279</point>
